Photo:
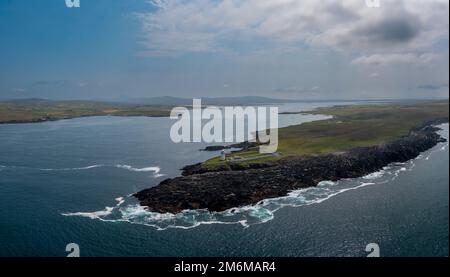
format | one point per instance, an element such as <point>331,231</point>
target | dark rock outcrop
<point>199,169</point>
<point>228,188</point>
<point>242,145</point>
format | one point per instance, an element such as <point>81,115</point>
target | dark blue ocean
<point>70,181</point>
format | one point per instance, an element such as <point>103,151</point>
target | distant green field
<point>351,126</point>
<point>43,110</point>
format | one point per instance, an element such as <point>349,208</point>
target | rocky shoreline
<point>234,186</point>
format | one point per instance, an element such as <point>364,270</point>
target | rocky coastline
<point>233,185</point>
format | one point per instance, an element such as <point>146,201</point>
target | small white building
<point>223,155</point>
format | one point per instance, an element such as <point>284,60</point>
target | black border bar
<point>151,266</point>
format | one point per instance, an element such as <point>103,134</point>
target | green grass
<point>351,126</point>
<point>43,110</point>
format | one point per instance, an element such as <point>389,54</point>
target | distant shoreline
<point>75,117</point>
<point>42,110</point>
<point>38,111</point>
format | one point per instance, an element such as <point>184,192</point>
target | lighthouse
<point>223,156</point>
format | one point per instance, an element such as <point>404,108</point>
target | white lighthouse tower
<point>223,156</point>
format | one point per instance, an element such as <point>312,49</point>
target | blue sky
<point>110,49</point>
<point>44,42</point>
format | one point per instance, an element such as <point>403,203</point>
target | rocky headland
<point>233,185</point>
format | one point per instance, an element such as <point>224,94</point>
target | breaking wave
<point>128,210</point>
<point>154,169</point>
<point>98,214</point>
<point>72,168</point>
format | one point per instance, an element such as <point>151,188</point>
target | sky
<point>293,49</point>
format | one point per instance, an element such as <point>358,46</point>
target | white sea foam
<point>246,216</point>
<point>98,214</point>
<point>72,168</point>
<point>120,200</point>
<point>263,211</point>
<point>92,215</point>
<point>374,175</point>
<point>154,169</point>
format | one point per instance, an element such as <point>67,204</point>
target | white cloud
<point>180,26</point>
<point>289,46</point>
<point>404,58</point>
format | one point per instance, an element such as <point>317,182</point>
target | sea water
<point>71,181</point>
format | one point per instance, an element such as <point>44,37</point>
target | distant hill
<point>40,110</point>
<point>220,101</point>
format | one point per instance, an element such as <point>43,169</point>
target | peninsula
<point>41,110</point>
<point>358,140</point>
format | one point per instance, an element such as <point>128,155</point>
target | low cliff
<point>234,187</point>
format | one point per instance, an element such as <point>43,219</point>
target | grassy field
<point>43,110</point>
<point>351,126</point>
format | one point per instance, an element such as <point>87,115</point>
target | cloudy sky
<point>299,49</point>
